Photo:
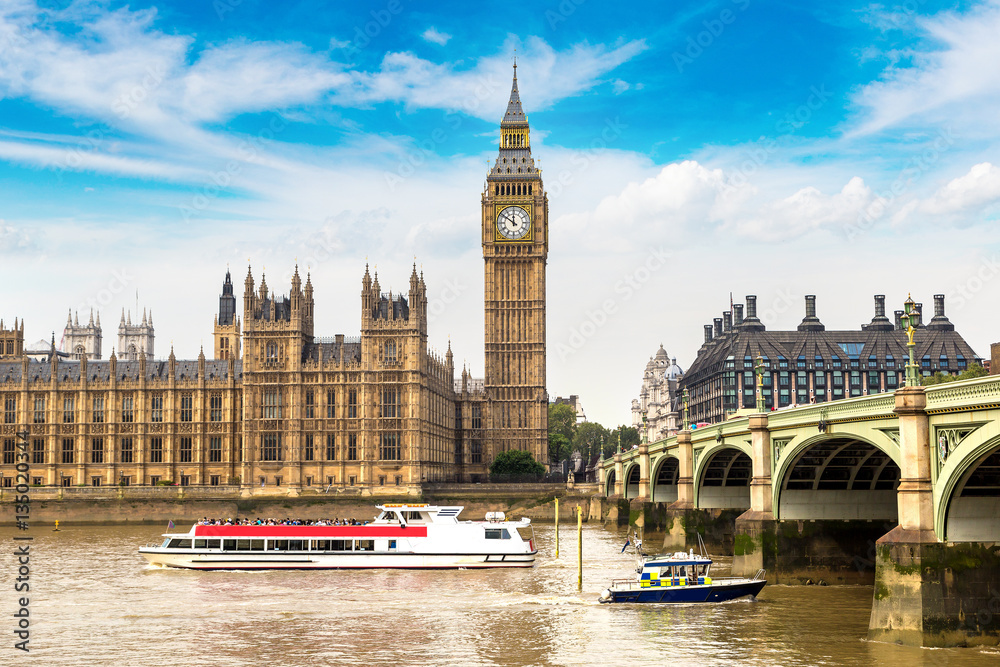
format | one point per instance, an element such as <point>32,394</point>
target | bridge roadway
<point>906,483</point>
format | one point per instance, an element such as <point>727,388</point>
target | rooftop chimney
<point>708,333</point>
<point>810,322</point>
<point>751,323</point>
<point>899,319</point>
<point>940,321</point>
<point>727,321</point>
<point>737,314</point>
<point>880,322</point>
<point>718,326</point>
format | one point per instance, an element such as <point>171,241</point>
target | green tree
<point>562,422</point>
<point>590,438</point>
<point>973,371</point>
<point>629,437</point>
<point>515,462</point>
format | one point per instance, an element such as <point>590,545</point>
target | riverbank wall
<point>151,505</point>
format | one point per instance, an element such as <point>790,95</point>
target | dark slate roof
<point>329,351</point>
<point>826,344</point>
<point>514,115</point>
<point>100,371</point>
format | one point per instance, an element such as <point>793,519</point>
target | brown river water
<point>94,601</point>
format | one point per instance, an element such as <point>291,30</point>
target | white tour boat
<point>402,536</point>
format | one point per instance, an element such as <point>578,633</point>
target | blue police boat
<point>679,578</point>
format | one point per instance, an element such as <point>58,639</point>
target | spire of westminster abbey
<point>515,247</point>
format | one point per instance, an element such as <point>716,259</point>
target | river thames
<point>94,601</point>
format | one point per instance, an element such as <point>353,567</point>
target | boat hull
<point>320,561</point>
<point>720,592</point>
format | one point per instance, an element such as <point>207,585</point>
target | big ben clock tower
<point>515,247</point>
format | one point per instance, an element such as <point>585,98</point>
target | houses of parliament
<point>279,406</point>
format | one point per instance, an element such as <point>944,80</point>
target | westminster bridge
<point>897,489</point>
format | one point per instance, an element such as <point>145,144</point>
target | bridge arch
<point>969,503</point>
<point>666,472</point>
<point>723,476</point>
<point>840,476</point>
<point>632,475</point>
<point>609,484</point>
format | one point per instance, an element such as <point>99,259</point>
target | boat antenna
<point>701,546</point>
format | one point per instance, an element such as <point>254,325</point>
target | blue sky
<point>690,150</point>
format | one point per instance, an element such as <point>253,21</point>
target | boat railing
<point>759,575</point>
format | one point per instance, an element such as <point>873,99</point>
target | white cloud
<point>963,201</point>
<point>434,36</point>
<point>951,78</point>
<point>14,239</point>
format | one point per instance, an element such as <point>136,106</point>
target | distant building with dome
<point>659,399</point>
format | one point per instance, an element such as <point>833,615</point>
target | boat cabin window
<point>279,545</point>
<point>206,544</point>
<point>391,517</point>
<point>229,545</point>
<point>497,534</point>
<point>179,544</point>
<point>364,545</point>
<point>413,516</point>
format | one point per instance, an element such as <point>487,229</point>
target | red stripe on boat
<point>292,532</point>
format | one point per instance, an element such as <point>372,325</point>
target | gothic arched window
<point>390,351</point>
<point>272,351</point>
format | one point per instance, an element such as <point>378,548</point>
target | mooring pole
<point>557,528</point>
<point>579,547</point>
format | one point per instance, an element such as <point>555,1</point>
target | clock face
<point>513,223</point>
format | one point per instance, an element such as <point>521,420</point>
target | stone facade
<point>659,399</point>
<point>515,248</point>
<point>82,341</point>
<point>279,406</point>
<point>135,340</point>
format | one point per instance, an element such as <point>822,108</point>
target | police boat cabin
<point>401,536</point>
<point>680,577</point>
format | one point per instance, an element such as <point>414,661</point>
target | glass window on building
<point>818,361</point>
<point>97,450</point>
<point>38,451</point>
<point>352,446</point>
<point>943,362</point>
<point>215,406</point>
<point>835,362</point>
<point>186,450</point>
<point>307,452</point>
<point>800,362</point>
<point>889,361</point>
<point>331,447</point>
<point>331,403</point>
<point>156,408</point>
<point>215,450</point>
<point>125,447</point>
<point>872,361</point>
<point>39,416</point>
<point>925,362</point>
<point>873,382</point>
<point>310,404</point>
<point>67,450</point>
<point>187,407</point>
<point>389,446</point>
<point>69,410</point>
<point>270,447</point>
<point>156,451</point>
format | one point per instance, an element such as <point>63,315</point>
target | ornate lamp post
<point>908,319</point>
<point>758,370</point>
<point>687,420</point>
<point>645,431</point>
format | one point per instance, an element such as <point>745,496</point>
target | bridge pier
<point>929,593</point>
<point>644,472</point>
<point>619,475</point>
<point>755,542</point>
